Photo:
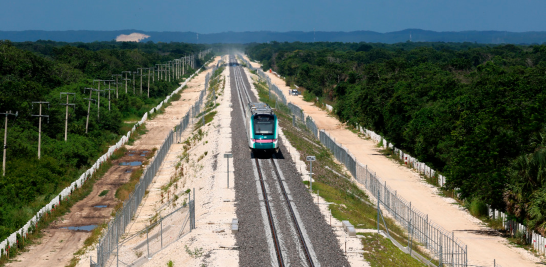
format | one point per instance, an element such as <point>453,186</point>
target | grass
<point>195,253</point>
<point>104,193</point>
<point>122,193</point>
<point>35,232</point>
<point>210,116</point>
<point>348,201</point>
<point>139,131</point>
<point>380,251</point>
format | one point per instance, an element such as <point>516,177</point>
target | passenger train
<point>262,128</point>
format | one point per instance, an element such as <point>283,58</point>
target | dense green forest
<point>473,112</point>
<point>39,72</point>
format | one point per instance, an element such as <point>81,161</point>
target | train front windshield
<point>264,124</point>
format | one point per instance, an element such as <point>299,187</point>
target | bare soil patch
<point>60,242</point>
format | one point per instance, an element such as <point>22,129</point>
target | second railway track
<point>308,259</point>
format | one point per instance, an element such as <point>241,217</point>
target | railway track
<point>310,258</point>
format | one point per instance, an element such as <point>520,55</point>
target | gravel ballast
<point>251,238</point>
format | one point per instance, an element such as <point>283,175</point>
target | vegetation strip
<point>348,201</point>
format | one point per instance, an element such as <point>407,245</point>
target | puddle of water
<point>143,155</point>
<point>128,171</point>
<point>100,206</point>
<point>130,155</point>
<point>145,151</point>
<point>87,228</point>
<point>132,163</point>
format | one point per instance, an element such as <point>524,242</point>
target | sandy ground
<point>133,37</point>
<point>59,244</point>
<point>351,245</point>
<point>483,248</point>
<point>204,173</point>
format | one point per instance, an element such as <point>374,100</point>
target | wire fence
<point>270,85</point>
<point>296,111</point>
<point>23,231</point>
<point>109,242</point>
<point>312,126</point>
<point>124,216</point>
<point>137,248</point>
<point>445,247</point>
<point>443,244</point>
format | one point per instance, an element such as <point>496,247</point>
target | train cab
<point>263,128</point>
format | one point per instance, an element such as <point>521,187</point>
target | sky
<point>208,16</point>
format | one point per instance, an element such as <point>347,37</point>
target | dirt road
<point>483,246</point>
<point>66,236</point>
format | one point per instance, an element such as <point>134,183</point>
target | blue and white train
<point>262,128</point>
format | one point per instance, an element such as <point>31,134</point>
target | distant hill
<point>484,37</point>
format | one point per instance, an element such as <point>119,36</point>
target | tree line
<point>40,71</point>
<point>473,112</point>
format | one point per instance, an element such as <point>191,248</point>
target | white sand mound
<point>133,37</point>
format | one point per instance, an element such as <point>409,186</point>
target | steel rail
<point>274,234</point>
<point>240,85</point>
<point>270,216</point>
<point>292,215</point>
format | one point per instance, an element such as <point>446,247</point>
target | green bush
<point>477,208</point>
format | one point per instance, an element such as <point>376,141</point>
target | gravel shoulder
<point>200,176</point>
<point>323,240</point>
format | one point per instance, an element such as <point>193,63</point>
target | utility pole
<point>134,82</point>
<point>67,104</point>
<point>88,105</point>
<point>40,122</point>
<point>126,79</point>
<point>141,79</point>
<point>157,66</point>
<point>117,75</point>
<point>177,64</point>
<point>149,82</point>
<point>98,96</point>
<point>7,113</point>
<point>109,90</point>
<point>169,69</point>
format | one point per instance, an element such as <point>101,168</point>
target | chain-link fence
<point>207,78</point>
<point>137,248</point>
<point>312,126</point>
<point>447,249</point>
<point>296,111</point>
<point>123,216</point>
<point>443,245</point>
<point>117,227</point>
<point>181,127</point>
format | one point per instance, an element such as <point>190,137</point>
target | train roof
<point>260,108</point>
